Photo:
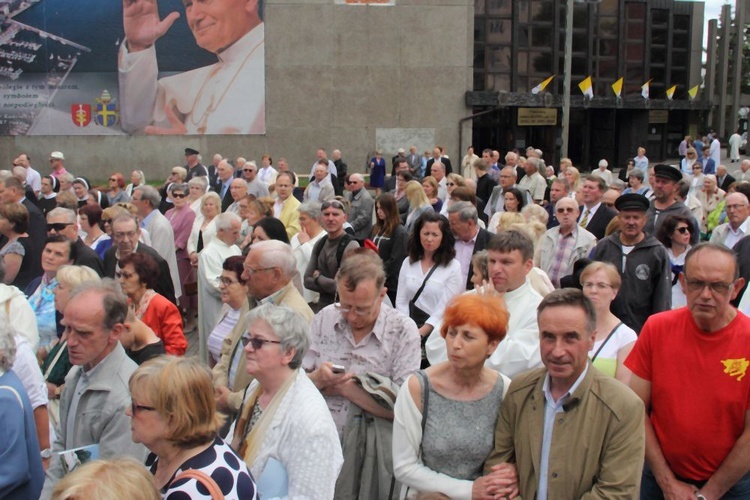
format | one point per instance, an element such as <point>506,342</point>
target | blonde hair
<point>111,213</point>
<point>211,196</point>
<point>415,194</point>
<point>534,212</point>
<point>433,184</point>
<point>507,219</point>
<point>609,269</point>
<point>75,275</point>
<point>457,179</point>
<point>107,479</point>
<point>181,390</point>
<point>576,184</point>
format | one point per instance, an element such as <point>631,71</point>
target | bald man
<point>360,213</point>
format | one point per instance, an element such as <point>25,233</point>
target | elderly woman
<point>256,209</point>
<point>712,201</point>
<point>430,276</point>
<point>181,218</point>
<point>81,186</point>
<point>271,431</point>
<point>204,227</point>
<point>391,239</point>
<point>173,413</point>
<point>18,251</point>
<point>430,186</point>
<point>107,479</point>
<point>614,340</point>
<point>304,241</point>
<point>22,475</point>
<point>58,251</point>
<point>57,364</point>
<point>426,458</point>
<point>138,275</point>
<point>116,193</point>
<point>675,233</point>
<point>198,186</point>
<point>235,305</point>
<point>137,178</point>
<point>377,172</point>
<point>418,203</point>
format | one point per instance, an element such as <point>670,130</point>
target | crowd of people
<point>508,328</point>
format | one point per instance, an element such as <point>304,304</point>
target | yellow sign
<point>529,117</point>
<point>658,116</point>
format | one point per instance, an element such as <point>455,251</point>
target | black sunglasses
<point>58,226</point>
<point>684,230</point>
<point>178,195</point>
<point>256,342</point>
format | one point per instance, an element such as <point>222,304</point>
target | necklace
<point>211,106</point>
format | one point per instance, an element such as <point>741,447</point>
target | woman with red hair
<point>117,193</point>
<point>445,416</point>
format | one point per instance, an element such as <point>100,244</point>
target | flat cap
<point>632,201</point>
<point>667,172</point>
<point>190,151</point>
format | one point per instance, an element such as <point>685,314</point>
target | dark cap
<point>667,172</point>
<point>632,201</point>
<point>190,151</point>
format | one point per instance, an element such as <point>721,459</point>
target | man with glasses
<point>328,253</point>
<point>562,246</point>
<point>92,405</point>
<point>57,164</point>
<point>64,221</point>
<point>360,213</point>
<point>731,232</point>
<point>255,186</point>
<point>496,201</point>
<point>359,336</point>
<point>125,234</point>
<point>238,191</point>
<point>690,367</point>
<point>643,263</point>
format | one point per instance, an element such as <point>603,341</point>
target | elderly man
<point>286,205</point>
<point>559,189</point>
<point>571,431</point>
<point>603,172</point>
<point>496,203</point>
<point>238,190</point>
<point>361,207</point>
<point>594,217</point>
<point>562,246</point>
<point>697,354</point>
<point>415,163</point>
<point>361,340</point>
<point>665,185</point>
<point>193,165</point>
<point>269,269</point>
<point>146,199</point>
<point>227,97</point>
<point>64,221</point>
<point>643,263</point>
<point>745,169</point>
<point>33,178</point>
<point>96,393</point>
<point>210,262</point>
<point>533,181</point>
<point>342,168</point>
<point>729,233</point>
<point>437,170</point>
<point>255,186</point>
<point>320,187</point>
<point>470,238</point>
<point>723,179</point>
<point>437,157</point>
<point>224,176</point>
<point>125,235</point>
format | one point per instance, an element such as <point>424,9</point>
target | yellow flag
<point>617,87</point>
<point>645,89</point>
<point>542,85</point>
<point>670,92</point>
<point>587,87</point>
<point>693,92</point>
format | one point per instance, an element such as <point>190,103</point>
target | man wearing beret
<point>666,178</point>
<point>194,166</point>
<point>643,263</point>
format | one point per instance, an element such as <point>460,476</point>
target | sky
<point>712,10</point>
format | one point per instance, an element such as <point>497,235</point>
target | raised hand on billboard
<point>177,127</point>
<point>140,19</point>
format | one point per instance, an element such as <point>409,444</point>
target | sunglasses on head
<point>333,203</point>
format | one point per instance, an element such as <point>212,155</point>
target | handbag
<point>206,480</point>
<point>418,315</point>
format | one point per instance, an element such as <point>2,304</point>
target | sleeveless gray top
<point>459,435</point>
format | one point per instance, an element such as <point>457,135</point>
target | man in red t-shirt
<point>691,368</point>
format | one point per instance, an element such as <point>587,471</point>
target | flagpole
<point>566,79</point>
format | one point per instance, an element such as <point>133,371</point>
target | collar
<point>592,209</point>
<point>239,50</point>
<point>107,368</point>
<point>571,391</point>
<point>471,240</point>
<point>146,219</point>
<point>276,296</point>
<point>518,292</point>
<point>742,229</point>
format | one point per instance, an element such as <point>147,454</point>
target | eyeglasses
<point>357,311</point>
<point>113,180</point>
<point>123,274</point>
<point>599,286</point>
<point>683,230</point>
<point>734,207</point>
<point>121,235</point>
<point>178,195</point>
<point>568,210</point>
<point>226,281</point>
<point>248,170</point>
<point>134,407</point>
<point>333,203</point>
<point>252,271</point>
<point>58,226</point>
<point>256,342</point>
<point>717,287</point>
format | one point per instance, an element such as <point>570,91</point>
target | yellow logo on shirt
<point>736,367</point>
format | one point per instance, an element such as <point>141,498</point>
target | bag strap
<point>205,480</point>
<point>15,393</point>
<point>424,283</point>
<point>425,383</point>
<point>605,341</point>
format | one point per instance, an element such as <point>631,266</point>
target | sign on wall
<point>537,117</point>
<point>131,67</point>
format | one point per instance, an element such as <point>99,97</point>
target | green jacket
<point>598,443</point>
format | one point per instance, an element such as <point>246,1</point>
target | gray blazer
<point>326,191</point>
<point>360,213</point>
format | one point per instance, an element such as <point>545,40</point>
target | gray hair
<point>199,181</point>
<point>291,328</point>
<point>311,208</point>
<point>68,214</point>
<point>67,176</point>
<point>466,211</point>
<point>141,175</point>
<point>564,182</point>
<point>7,347</point>
<point>438,164</point>
<point>150,194</point>
<point>178,186</point>
<point>636,173</point>
<point>571,297</point>
<point>275,253</point>
<point>114,303</point>
<point>225,220</point>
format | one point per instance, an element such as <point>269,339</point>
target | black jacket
<point>164,284</point>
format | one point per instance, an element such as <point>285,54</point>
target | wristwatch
<point>699,495</point>
<point>46,453</point>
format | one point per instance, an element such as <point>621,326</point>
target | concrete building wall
<point>337,76</point>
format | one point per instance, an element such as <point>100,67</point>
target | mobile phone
<point>338,369</point>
